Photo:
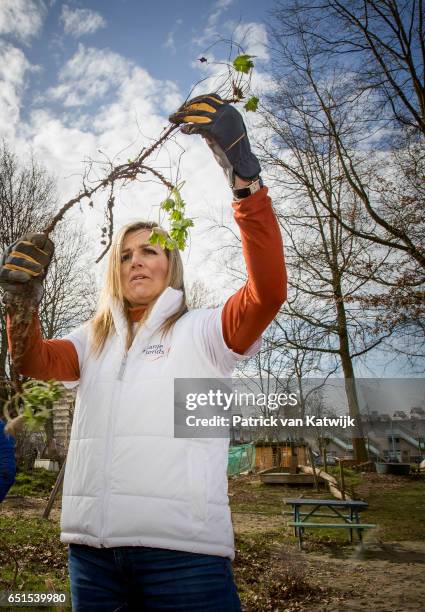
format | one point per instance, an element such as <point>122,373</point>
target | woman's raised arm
<point>23,269</point>
<point>247,313</point>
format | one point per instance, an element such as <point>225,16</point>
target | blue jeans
<point>139,578</point>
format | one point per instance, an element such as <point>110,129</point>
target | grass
<point>396,506</point>
<point>398,512</point>
<point>34,544</point>
<point>268,577</point>
<point>267,569</point>
<point>351,478</point>
<point>35,483</point>
<point>252,496</point>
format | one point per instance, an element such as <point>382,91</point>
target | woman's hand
<point>24,266</point>
<point>223,128</point>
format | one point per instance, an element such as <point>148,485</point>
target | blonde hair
<point>102,322</point>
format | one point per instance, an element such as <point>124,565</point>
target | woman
<point>146,515</point>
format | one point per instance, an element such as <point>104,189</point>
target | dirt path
<point>29,507</point>
<point>383,577</point>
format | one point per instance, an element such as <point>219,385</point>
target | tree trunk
<point>4,391</point>
<point>359,444</point>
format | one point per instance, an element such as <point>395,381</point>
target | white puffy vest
<point>128,481</point>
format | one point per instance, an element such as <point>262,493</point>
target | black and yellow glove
<point>24,265</point>
<point>223,128</point>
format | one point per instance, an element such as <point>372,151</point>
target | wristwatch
<point>244,192</point>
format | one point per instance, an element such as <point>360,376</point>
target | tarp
<point>241,459</point>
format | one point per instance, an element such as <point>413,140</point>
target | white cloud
<point>131,108</point>
<point>88,76</point>
<point>21,18</point>
<point>217,10</point>
<point>112,109</point>
<point>111,81</point>
<point>252,37</point>
<point>59,146</point>
<point>120,131</point>
<point>210,31</point>
<point>170,42</point>
<point>79,22</point>
<point>13,68</point>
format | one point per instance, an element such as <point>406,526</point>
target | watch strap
<point>245,192</point>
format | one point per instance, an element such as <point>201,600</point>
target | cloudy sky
<point>89,79</point>
<point>93,79</point>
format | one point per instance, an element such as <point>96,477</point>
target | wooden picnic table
<point>335,507</point>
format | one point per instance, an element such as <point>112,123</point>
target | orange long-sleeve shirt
<point>246,314</point>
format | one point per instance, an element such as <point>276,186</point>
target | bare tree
<point>282,368</point>
<point>70,291</point>
<point>380,42</point>
<point>199,295</point>
<point>27,202</point>
<point>303,365</point>
<point>360,65</point>
<point>353,70</point>
<point>27,194</point>
<point>322,256</point>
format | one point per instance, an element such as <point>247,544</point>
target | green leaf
<point>176,215</point>
<point>182,224</point>
<point>252,104</point>
<point>37,400</point>
<point>178,200</point>
<point>174,205</point>
<point>162,240</point>
<point>168,204</point>
<point>154,237</point>
<point>243,63</point>
<point>187,223</point>
<point>171,244</point>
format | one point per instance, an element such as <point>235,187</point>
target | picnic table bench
<point>334,507</point>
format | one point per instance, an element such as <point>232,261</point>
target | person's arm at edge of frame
<point>23,268</point>
<point>7,462</point>
<point>46,359</point>
<point>251,309</point>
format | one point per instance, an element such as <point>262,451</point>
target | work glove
<point>24,267</point>
<point>223,128</point>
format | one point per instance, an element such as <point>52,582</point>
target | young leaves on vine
<point>243,63</point>
<point>35,402</point>
<point>251,104</point>
<point>174,206</point>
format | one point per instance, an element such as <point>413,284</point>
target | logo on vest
<point>156,351</point>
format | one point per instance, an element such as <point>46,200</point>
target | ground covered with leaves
<point>330,573</point>
<point>271,573</point>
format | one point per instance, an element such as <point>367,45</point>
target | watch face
<point>256,186</point>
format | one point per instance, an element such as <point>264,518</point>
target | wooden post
<point>54,492</point>
<point>324,454</point>
<point>313,467</point>
<point>341,477</point>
